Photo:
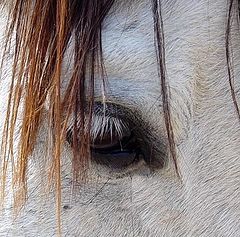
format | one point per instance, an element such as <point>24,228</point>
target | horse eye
<point>113,140</point>
<point>114,150</point>
<point>116,136</point>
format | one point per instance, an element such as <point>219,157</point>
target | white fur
<point>206,202</point>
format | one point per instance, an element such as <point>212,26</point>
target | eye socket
<point>113,140</point>
<point>113,150</point>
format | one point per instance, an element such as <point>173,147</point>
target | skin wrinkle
<point>139,202</point>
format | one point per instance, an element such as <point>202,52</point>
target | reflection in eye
<point>120,154</point>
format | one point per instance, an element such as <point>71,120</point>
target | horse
<point>120,118</point>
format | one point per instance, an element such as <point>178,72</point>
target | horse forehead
<point>204,120</point>
<point>194,33</point>
<point>195,56</point>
